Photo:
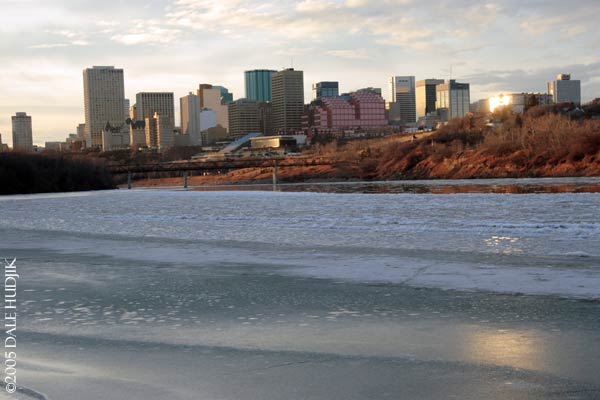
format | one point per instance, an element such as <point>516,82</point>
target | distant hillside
<point>22,173</point>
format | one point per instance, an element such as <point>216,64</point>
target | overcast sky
<point>173,45</point>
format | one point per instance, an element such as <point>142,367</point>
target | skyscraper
<point>288,100</point>
<point>127,107</point>
<point>226,97</point>
<point>159,132</point>
<point>104,101</point>
<point>190,117</point>
<point>265,118</point>
<point>22,132</point>
<point>565,90</point>
<point>258,84</point>
<point>148,106</point>
<point>426,95</point>
<point>402,90</point>
<point>149,103</point>
<point>325,89</point>
<point>243,117</point>
<point>81,131</point>
<point>452,99</point>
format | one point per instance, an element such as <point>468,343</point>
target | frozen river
<point>155,294</point>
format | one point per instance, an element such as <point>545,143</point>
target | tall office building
<point>104,101</point>
<point>265,118</point>
<point>126,109</point>
<point>150,104</point>
<point>243,117</point>
<point>402,91</point>
<point>452,99</point>
<point>190,117</point>
<point>81,131</point>
<point>288,100</point>
<point>258,84</point>
<point>159,132</point>
<point>21,132</point>
<point>426,95</point>
<point>565,90</point>
<point>210,97</point>
<point>226,97</point>
<point>325,89</point>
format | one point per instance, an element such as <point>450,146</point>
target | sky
<point>174,45</point>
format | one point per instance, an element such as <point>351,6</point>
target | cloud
<point>315,6</point>
<point>314,20</point>
<point>57,45</point>
<point>107,23</point>
<point>500,45</point>
<point>353,54</point>
<point>147,32</point>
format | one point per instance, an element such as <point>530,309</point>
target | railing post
<point>274,175</point>
<point>185,176</point>
<point>128,179</point>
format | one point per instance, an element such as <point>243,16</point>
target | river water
<point>421,290</point>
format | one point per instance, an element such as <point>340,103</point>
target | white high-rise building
<point>104,101</point>
<point>22,132</point>
<point>190,117</point>
<point>402,91</point>
<point>565,90</point>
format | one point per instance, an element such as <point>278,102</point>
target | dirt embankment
<point>542,143</point>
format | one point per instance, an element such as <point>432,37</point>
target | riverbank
<point>465,166</point>
<point>545,142</point>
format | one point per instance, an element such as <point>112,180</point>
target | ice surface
<point>537,243</point>
<point>230,295</point>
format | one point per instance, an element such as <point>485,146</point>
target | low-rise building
<point>274,142</point>
<point>213,135</point>
<point>363,109</point>
<point>137,134</point>
<point>565,90</point>
<point>53,146</point>
<point>518,102</point>
<point>115,137</point>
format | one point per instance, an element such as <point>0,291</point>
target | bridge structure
<point>216,166</point>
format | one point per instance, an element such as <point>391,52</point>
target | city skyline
<point>175,45</point>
